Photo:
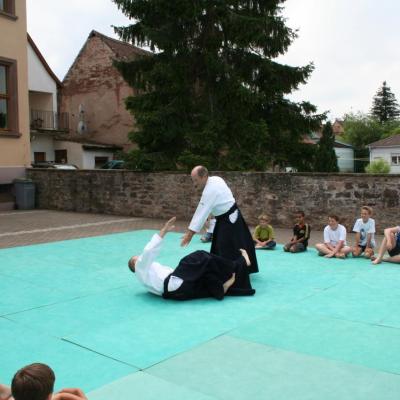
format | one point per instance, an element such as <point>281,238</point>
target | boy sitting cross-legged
<point>365,231</point>
<point>334,240</point>
<point>301,234</point>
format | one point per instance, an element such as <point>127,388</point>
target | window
<point>3,97</point>
<point>100,161</point>
<point>60,156</point>
<point>395,159</point>
<point>39,156</point>
<point>7,8</point>
<point>8,98</point>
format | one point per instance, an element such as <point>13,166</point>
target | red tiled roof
<point>122,50</point>
<point>387,142</point>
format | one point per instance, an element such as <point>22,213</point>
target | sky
<point>352,44</point>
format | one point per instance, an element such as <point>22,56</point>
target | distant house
<point>345,156</point>
<point>338,127</point>
<point>344,151</point>
<point>45,121</point>
<point>94,91</point>
<point>387,149</point>
<point>49,128</point>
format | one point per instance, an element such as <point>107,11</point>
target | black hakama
<point>229,237</point>
<point>204,274</point>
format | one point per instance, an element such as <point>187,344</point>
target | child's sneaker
<point>207,237</point>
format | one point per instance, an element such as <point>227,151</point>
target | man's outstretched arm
<point>168,226</point>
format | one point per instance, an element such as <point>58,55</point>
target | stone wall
<point>161,195</point>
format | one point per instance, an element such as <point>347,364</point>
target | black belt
<point>229,212</point>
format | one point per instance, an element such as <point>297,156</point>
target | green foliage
<point>213,92</point>
<point>384,106</point>
<point>361,129</point>
<point>326,160</point>
<point>378,167</point>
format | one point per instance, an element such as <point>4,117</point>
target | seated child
<point>36,381</point>
<point>301,234</point>
<point>365,232</point>
<point>334,240</point>
<point>264,234</point>
<point>391,244</point>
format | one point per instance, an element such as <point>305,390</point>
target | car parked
<point>48,164</point>
<point>114,164</point>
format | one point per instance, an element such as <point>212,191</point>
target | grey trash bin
<point>24,194</point>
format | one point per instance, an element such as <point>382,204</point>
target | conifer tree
<point>212,93</point>
<point>326,160</point>
<point>384,106</point>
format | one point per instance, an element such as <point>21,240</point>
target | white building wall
<point>39,80</point>
<point>74,151</point>
<point>345,158</point>
<point>89,157</point>
<point>43,143</point>
<point>386,154</point>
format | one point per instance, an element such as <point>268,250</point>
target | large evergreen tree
<point>384,106</point>
<point>212,92</point>
<point>326,160</point>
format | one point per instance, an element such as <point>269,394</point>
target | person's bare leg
<point>394,259</point>
<point>356,251</point>
<point>245,256</point>
<point>322,248</point>
<point>229,283</point>
<point>382,251</point>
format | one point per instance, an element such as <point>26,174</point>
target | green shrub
<point>378,167</point>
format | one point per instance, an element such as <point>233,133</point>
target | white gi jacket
<point>216,199</point>
<point>151,273</point>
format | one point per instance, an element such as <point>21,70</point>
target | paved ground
<point>20,228</point>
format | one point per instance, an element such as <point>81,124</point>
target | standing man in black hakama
<point>231,232</point>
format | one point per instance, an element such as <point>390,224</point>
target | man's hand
<point>168,226</point>
<point>70,394</point>
<point>187,238</point>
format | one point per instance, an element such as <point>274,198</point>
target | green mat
<point>316,328</point>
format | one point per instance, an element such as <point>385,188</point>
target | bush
<point>378,167</point>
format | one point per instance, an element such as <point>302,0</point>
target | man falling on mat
<point>198,275</point>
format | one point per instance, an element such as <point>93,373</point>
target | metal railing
<point>49,120</point>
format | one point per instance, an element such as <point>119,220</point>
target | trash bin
<point>24,194</point>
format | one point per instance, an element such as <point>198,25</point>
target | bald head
<point>199,176</point>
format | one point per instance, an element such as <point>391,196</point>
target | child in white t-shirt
<point>365,232</point>
<point>334,240</point>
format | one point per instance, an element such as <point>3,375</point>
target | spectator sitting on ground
<point>365,232</point>
<point>264,234</point>
<point>36,382</point>
<point>301,234</point>
<point>391,244</point>
<point>334,240</point>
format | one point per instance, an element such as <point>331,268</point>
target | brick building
<point>93,92</point>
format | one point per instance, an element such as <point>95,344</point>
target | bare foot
<point>376,261</point>
<point>245,256</point>
<point>340,255</point>
<point>229,283</point>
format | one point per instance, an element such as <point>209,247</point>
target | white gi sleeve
<point>203,209</point>
<point>150,252</point>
